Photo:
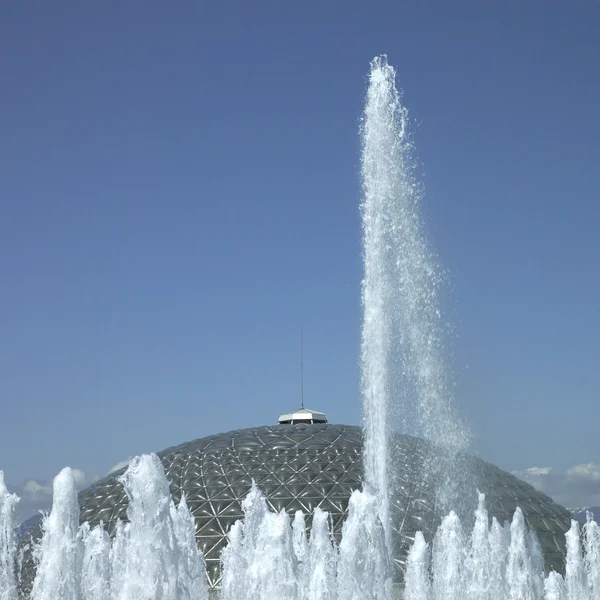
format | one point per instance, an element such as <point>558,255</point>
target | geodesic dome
<point>302,466</point>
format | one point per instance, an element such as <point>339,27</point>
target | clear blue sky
<point>179,196</point>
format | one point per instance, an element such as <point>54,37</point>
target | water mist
<point>402,356</point>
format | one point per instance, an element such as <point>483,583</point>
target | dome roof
<point>302,415</point>
<point>302,466</point>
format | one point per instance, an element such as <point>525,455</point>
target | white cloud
<point>535,471</point>
<point>579,485</point>
<point>36,495</point>
<point>79,478</point>
<point>587,472</point>
<point>119,465</point>
<point>34,488</point>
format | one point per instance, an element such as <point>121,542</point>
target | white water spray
<point>59,555</point>
<point>364,565</point>
<point>499,539</point>
<point>575,579</point>
<point>8,503</point>
<point>591,535</point>
<point>320,568</point>
<point>402,355</point>
<point>161,560</point>
<point>418,585</point>
<point>260,561</point>
<point>154,557</point>
<point>300,542</point>
<point>477,564</point>
<point>449,553</point>
<point>496,563</point>
<point>95,572</point>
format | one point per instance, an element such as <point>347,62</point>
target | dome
<point>302,466</point>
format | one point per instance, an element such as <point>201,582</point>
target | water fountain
<point>8,502</point>
<point>154,555</point>
<point>402,337</point>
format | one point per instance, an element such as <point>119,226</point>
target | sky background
<point>179,196</point>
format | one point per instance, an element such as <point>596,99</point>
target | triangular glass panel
<point>209,529</point>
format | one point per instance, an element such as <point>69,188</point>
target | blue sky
<point>179,196</point>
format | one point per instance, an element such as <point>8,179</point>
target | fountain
<point>8,583</point>
<point>402,336</point>
<point>154,556</point>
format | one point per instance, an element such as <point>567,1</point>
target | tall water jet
<point>60,552</point>
<point>158,550</point>
<point>191,578</point>
<point>524,582</point>
<point>233,562</point>
<point>575,580</point>
<point>118,556</point>
<point>554,587</point>
<point>148,572</point>
<point>416,579</point>
<point>319,573</point>
<point>300,543</point>
<point>95,573</point>
<point>499,540</point>
<point>8,503</point>
<point>260,561</point>
<point>402,353</point>
<point>364,565</point>
<point>382,137</point>
<point>449,553</point>
<point>591,537</point>
<point>477,564</point>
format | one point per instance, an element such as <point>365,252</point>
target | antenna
<point>302,367</point>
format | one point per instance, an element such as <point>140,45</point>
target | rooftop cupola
<point>302,415</point>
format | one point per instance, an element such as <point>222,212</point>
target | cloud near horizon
<point>119,465</point>
<point>36,495</point>
<point>578,486</point>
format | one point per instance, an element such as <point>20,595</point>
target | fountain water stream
<point>154,556</point>
<point>8,583</point>
<point>403,367</point>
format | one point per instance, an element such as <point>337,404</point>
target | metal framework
<point>302,466</point>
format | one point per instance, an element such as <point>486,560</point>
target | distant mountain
<point>579,514</point>
<point>25,527</point>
